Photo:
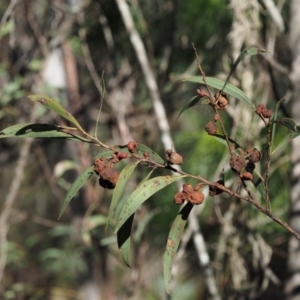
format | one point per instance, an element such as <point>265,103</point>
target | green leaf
<point>123,235</point>
<point>148,176</point>
<point>119,190</point>
<point>56,107</point>
<point>230,89</point>
<point>274,123</point>
<point>142,225</point>
<point>246,52</point>
<point>124,242</point>
<point>286,140</point>
<point>192,102</point>
<point>141,149</point>
<point>36,130</point>
<point>75,187</point>
<point>141,194</point>
<point>288,123</point>
<point>174,239</point>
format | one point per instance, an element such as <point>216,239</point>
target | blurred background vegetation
<point>63,49</point>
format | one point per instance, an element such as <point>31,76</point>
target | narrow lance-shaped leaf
<point>123,235</point>
<point>56,107</point>
<point>174,239</point>
<point>288,123</point>
<point>246,52</point>
<point>119,190</point>
<point>230,89</point>
<point>94,221</point>
<point>75,187</point>
<point>141,149</point>
<point>148,176</point>
<point>124,240</point>
<point>274,124</point>
<point>192,102</point>
<point>286,140</point>
<point>141,194</point>
<point>37,130</point>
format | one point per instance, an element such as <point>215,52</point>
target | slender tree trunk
<point>292,285</point>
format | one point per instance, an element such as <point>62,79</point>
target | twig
<point>8,12</point>
<point>202,73</point>
<point>9,202</point>
<point>275,14</point>
<point>87,55</point>
<point>37,31</point>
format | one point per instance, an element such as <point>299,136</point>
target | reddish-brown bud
<point>123,155</point>
<point>221,100</point>
<point>187,188</point>
<point>174,159</point>
<point>178,198</point>
<point>196,197</point>
<point>246,176</point>
<point>131,146</point>
<point>216,117</point>
<point>260,108</point>
<point>211,128</point>
<point>201,93</point>
<point>266,113</point>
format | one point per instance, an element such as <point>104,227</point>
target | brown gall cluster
<point>107,172</point>
<point>245,165</point>
<point>173,158</point>
<point>188,193</point>
<point>254,155</point>
<point>211,128</point>
<point>261,110</point>
<point>221,100</point>
<point>237,163</point>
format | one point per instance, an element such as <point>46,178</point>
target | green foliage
<point>78,183</point>
<point>56,107</point>
<point>173,242</point>
<point>221,84</point>
<point>146,157</point>
<point>39,131</point>
<point>119,190</point>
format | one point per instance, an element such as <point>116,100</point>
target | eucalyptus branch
<point>250,198</point>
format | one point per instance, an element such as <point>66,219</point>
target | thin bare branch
<point>9,202</point>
